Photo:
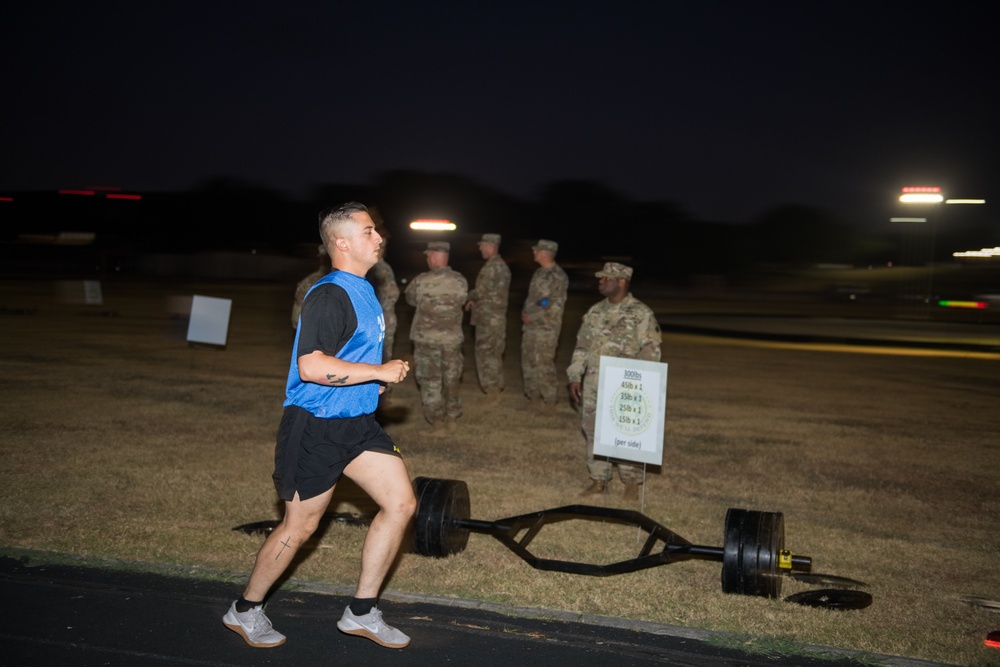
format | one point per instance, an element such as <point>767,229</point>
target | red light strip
<point>921,188</point>
<point>115,196</point>
<point>6,199</point>
<point>76,192</point>
<point>978,305</point>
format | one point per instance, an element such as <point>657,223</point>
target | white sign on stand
<point>209,321</point>
<point>92,292</point>
<point>631,402</point>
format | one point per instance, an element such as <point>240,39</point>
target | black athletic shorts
<point>311,453</point>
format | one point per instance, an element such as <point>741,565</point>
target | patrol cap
<point>615,270</point>
<point>438,246</point>
<point>545,244</point>
<point>490,238</point>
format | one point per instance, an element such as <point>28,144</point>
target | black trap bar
<point>753,557</point>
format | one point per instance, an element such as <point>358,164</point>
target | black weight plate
<point>427,538</point>
<point>753,541</point>
<point>732,539</point>
<point>763,579</point>
<point>818,579</point>
<point>456,507</point>
<point>832,598</point>
<point>750,554</point>
<point>259,527</point>
<point>439,503</point>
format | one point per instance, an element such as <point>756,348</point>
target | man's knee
<point>400,507</point>
<point>302,517</point>
<point>300,528</point>
<point>409,507</point>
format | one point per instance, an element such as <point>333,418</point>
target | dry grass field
<point>119,440</point>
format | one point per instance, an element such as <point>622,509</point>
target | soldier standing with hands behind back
<point>438,294</point>
<point>488,306</point>
<point>618,326</point>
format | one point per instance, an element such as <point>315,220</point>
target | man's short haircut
<point>332,219</point>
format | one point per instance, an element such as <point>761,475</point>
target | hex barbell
<point>753,556</point>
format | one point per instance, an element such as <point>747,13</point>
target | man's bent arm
<point>333,372</point>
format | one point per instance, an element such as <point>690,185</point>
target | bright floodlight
<point>964,201</point>
<point>433,225</point>
<point>921,198</point>
<point>985,252</point>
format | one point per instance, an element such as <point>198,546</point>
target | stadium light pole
<point>930,195</point>
<point>925,195</point>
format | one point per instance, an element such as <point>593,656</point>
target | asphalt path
<point>80,615</point>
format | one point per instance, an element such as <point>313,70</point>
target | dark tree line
<point>590,221</point>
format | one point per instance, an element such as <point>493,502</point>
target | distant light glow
<point>112,195</point>
<point>920,198</point>
<point>964,201</point>
<point>77,192</point>
<point>907,219</point>
<point>6,199</point>
<point>433,225</point>
<point>921,188</point>
<point>984,252</point>
<point>976,305</point>
<point>75,238</point>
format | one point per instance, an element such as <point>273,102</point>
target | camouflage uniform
<point>300,293</point>
<point>489,317</point>
<point>438,296</point>
<point>540,335</point>
<point>384,281</point>
<point>629,330</point>
<point>303,285</point>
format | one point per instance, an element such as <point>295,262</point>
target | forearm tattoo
<point>331,378</point>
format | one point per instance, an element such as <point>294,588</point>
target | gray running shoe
<point>373,627</point>
<point>253,626</point>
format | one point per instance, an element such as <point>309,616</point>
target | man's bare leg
<point>301,520</point>
<point>384,478</point>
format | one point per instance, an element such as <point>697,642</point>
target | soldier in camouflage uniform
<point>541,319</point>
<point>438,295</point>
<point>488,306</point>
<point>306,283</point>
<point>383,280</point>
<point>619,326</point>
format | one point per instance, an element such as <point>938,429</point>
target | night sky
<point>726,108</point>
